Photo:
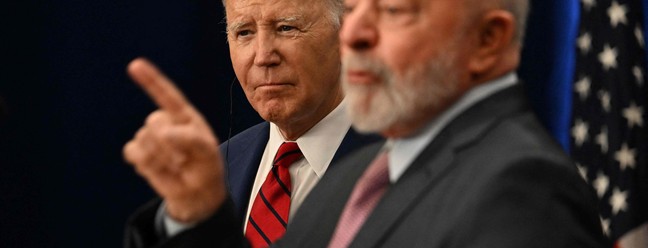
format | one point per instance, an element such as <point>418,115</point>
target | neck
<point>291,131</point>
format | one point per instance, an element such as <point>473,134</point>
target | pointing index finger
<point>163,92</point>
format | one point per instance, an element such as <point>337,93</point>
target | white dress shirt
<point>318,145</point>
<point>403,151</point>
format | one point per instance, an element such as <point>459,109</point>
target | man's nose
<point>359,31</point>
<point>266,50</point>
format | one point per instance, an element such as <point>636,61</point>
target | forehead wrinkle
<point>293,18</point>
<point>263,17</point>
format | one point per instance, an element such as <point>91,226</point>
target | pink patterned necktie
<point>366,193</point>
<point>269,214</point>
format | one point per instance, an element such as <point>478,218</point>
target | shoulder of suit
<point>250,135</point>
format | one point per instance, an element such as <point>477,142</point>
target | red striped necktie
<point>269,214</point>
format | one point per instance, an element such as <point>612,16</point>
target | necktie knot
<point>288,153</point>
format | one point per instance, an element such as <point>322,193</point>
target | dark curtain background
<point>69,107</point>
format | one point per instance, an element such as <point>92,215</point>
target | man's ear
<point>495,33</point>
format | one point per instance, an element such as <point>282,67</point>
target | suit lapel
<point>404,194</point>
<point>434,162</point>
<point>243,154</point>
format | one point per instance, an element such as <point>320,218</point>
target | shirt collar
<point>320,143</point>
<point>404,150</point>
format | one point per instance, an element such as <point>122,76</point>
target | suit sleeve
<point>221,230</point>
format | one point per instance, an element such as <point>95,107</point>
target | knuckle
<point>155,118</point>
<point>137,154</point>
<point>130,151</point>
<point>177,135</point>
<point>168,135</point>
<point>141,134</point>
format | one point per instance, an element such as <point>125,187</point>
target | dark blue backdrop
<point>71,107</point>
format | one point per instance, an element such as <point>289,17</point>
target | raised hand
<point>176,150</point>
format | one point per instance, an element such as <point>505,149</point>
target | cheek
<point>241,65</point>
<point>400,54</point>
<point>395,55</point>
<point>321,77</point>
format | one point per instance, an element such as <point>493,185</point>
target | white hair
<point>335,9</point>
<point>520,10</point>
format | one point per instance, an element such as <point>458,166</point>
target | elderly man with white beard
<point>466,163</point>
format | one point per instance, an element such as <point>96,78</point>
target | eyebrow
<point>237,25</point>
<point>288,19</point>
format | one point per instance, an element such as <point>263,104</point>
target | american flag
<point>609,129</point>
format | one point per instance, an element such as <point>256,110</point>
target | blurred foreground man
<point>466,163</point>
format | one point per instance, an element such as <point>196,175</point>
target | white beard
<point>396,99</point>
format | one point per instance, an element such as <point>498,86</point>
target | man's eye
<point>243,33</point>
<point>285,28</point>
<point>392,10</point>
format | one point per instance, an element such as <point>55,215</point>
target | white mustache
<point>364,63</point>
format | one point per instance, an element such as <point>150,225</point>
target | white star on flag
<point>579,132</point>
<point>605,98</point>
<point>619,201</point>
<point>617,14</point>
<point>605,223</point>
<point>638,73</point>
<point>601,184</point>
<point>608,57</point>
<point>602,140</point>
<point>585,43</point>
<point>582,87</point>
<point>588,4</point>
<point>640,37</point>
<point>626,157</point>
<point>633,115</point>
<point>582,170</point>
